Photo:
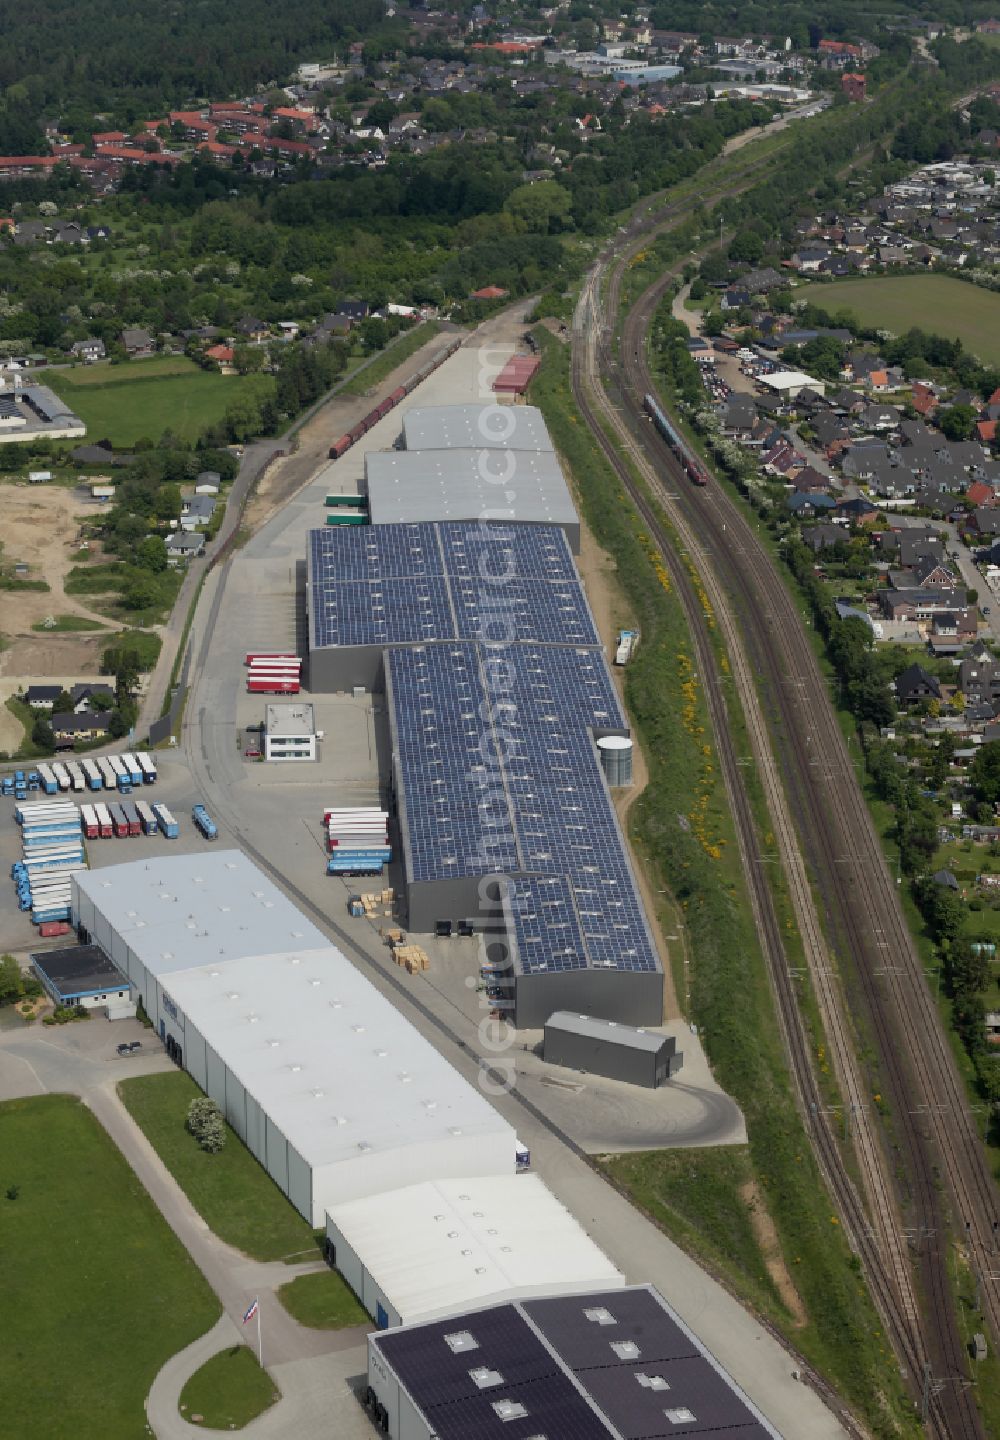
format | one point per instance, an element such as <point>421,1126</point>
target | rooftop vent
<point>509,1410</point>
<point>625,1349</point>
<point>599,1315</point>
<point>651,1382</point>
<point>681,1416</point>
<point>459,1341</point>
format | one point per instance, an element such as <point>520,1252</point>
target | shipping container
<point>357,502</point>
<point>93,775</point>
<point>62,776</point>
<point>49,783</point>
<point>254,657</point>
<point>104,821</point>
<point>49,929</point>
<point>76,775</point>
<point>148,766</point>
<point>146,817</point>
<point>355,863</point>
<point>90,826</point>
<point>273,685</point>
<point>347,517</point>
<point>166,822</point>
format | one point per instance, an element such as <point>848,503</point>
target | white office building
<point>290,732</point>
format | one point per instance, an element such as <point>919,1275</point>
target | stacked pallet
<point>411,957</point>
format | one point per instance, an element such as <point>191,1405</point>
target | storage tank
<point>616,759</point>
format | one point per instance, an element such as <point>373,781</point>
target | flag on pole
<point>250,1313</point>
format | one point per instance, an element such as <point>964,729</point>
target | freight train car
<point>341,446</point>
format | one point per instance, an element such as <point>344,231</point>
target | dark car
<point>124,1049</point>
<point>134,1046</point>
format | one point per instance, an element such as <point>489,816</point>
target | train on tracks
<point>693,467</point>
<point>400,393</point>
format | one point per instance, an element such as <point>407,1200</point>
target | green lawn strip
<point>408,344</point>
<point>133,408</point>
<point>27,749</point>
<point>135,372</point>
<point>843,1335</point>
<point>93,1277</point>
<point>234,1195</point>
<point>228,1391</point>
<point>323,1301</point>
<point>940,304</point>
<point>66,624</point>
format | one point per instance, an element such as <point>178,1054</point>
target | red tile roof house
<point>923,399</point>
<point>979,493</point>
<point>985,429</point>
<point>490,292</point>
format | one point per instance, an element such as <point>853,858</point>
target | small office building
<point>605,1047</point>
<point>81,975</point>
<point>290,732</point>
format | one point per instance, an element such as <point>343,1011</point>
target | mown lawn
<point>228,1391</point>
<point>234,1195</point>
<point>937,304</point>
<point>323,1301</point>
<point>98,1292</point>
<point>126,403</point>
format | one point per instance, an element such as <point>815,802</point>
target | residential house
<point>356,310</point>
<point>809,504</point>
<point>83,697</point>
<point>42,697</point>
<point>822,537</point>
<point>915,685</point>
<point>809,480</point>
<point>985,520</point>
<point>857,512</point>
<point>252,330</point>
<point>138,343</point>
<point>182,545</point>
<point>979,679</point>
<point>196,511</point>
<point>208,482</point>
<point>88,350</point>
<point>69,727</point>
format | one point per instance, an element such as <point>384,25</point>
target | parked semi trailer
<point>166,822</point>
<point>204,822</point>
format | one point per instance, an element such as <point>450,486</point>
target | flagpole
<point>260,1348</point>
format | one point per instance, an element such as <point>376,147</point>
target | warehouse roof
<point>610,1030</point>
<point>483,427</point>
<point>331,1061</point>
<point>176,911</point>
<point>447,1245</point>
<point>466,484</point>
<point>607,1364</point>
<point>77,970</point>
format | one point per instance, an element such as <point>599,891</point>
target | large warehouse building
<point>471,462</point>
<point>617,1365</point>
<point>497,692</point>
<point>332,1090</point>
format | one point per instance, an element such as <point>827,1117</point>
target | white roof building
<point>790,382</point>
<point>483,427</point>
<point>439,1248</point>
<point>335,1093</point>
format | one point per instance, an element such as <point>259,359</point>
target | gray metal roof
<point>478,427</point>
<point>610,1030</point>
<point>465,484</point>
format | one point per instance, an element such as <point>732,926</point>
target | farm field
<point>94,1279</point>
<point>934,303</point>
<point>126,403</point>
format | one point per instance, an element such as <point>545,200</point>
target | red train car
<point>340,448</point>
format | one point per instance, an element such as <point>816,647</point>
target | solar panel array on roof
<point>407,584</point>
<point>631,1368</point>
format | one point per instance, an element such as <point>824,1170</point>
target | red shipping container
<point>50,928</point>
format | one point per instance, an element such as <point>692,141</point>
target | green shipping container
<point>347,517</point>
<point>358,502</point>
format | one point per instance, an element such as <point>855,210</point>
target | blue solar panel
<point>497,686</point>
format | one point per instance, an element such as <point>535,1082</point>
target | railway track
<point>861,906</point>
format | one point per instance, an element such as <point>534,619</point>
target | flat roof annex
<point>476,427</point>
<point>470,1242</point>
<point>467,484</point>
<point>78,970</point>
<point>332,1063</point>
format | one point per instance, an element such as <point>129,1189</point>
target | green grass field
<point>98,1291</point>
<point>125,403</point>
<point>232,1193</point>
<point>323,1301</point>
<point>228,1391</point>
<point>934,303</point>
<point>68,624</point>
